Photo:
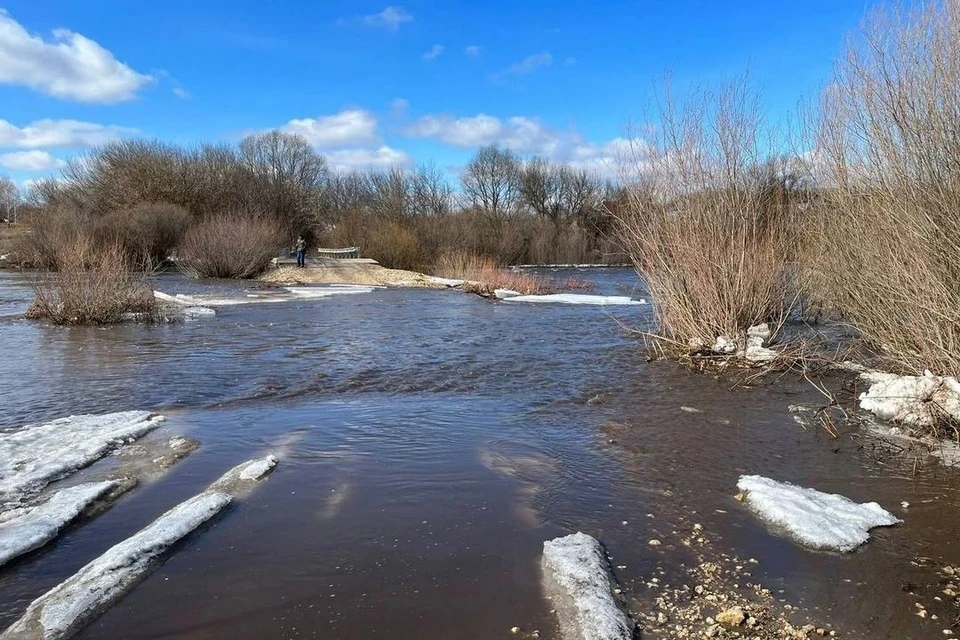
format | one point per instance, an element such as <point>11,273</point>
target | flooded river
<point>429,442</point>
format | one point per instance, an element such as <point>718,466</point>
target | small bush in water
<point>91,286</point>
<point>229,247</point>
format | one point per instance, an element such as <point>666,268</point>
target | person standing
<point>301,252</point>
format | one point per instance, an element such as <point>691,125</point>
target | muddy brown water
<point>430,442</point>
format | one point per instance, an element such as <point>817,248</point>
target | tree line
<point>509,208</point>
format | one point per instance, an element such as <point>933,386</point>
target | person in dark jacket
<point>301,252</point>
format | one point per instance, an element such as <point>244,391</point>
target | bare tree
<point>291,177</point>
<point>390,193</point>
<point>9,195</point>
<point>558,193</point>
<point>491,182</point>
<point>430,192</point>
<point>347,193</point>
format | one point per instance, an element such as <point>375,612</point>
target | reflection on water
<point>430,442</point>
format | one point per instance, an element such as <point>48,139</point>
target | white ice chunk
<point>287,294</point>
<point>916,401</point>
<point>195,313</point>
<point>35,455</point>
<point>327,291</point>
<point>761,331</point>
<point>242,477</point>
<point>77,601</point>
<point>724,344</point>
<point>72,604</point>
<point>577,577</point>
<point>815,519</point>
<point>28,528</point>
<point>503,294</point>
<point>446,282</point>
<point>579,298</point>
<point>756,352</point>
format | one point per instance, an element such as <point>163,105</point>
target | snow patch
<point>916,401</point>
<point>36,455</point>
<point>577,577</point>
<point>579,298</point>
<point>503,294</point>
<point>446,282</point>
<point>815,519</point>
<point>77,601</point>
<point>28,528</point>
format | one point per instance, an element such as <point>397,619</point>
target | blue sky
<point>375,84</point>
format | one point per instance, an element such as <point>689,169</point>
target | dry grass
<point>710,225</point>
<point>886,246</point>
<point>486,275</point>
<point>230,247</point>
<point>91,286</point>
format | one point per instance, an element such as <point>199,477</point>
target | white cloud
<point>71,66</point>
<point>434,52</point>
<point>399,106</point>
<point>529,136</point>
<point>528,65</point>
<point>34,160</point>
<point>472,131</point>
<point>59,133</point>
<point>390,18</point>
<point>350,127</point>
<point>473,50</point>
<point>380,158</point>
<point>181,93</point>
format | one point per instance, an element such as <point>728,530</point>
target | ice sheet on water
<point>79,599</point>
<point>287,294</point>
<point>578,298</point>
<point>577,576</point>
<point>28,528</point>
<point>60,612</point>
<point>35,455</point>
<point>330,290</point>
<point>815,519</point>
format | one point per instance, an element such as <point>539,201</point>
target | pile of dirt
<point>348,272</point>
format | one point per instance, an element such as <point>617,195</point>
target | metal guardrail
<point>339,254</point>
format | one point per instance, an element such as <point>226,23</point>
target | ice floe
<point>74,603</point>
<point>191,305</point>
<point>915,401</point>
<point>28,528</point>
<point>815,519</point>
<point>578,298</point>
<point>35,455</point>
<point>577,578</point>
<point>329,290</point>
